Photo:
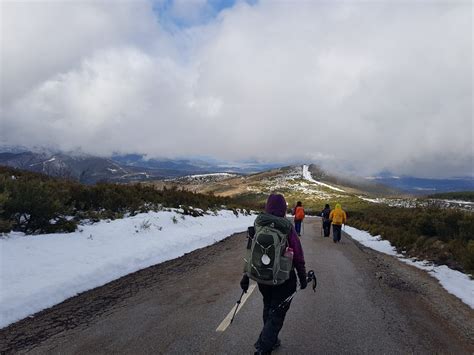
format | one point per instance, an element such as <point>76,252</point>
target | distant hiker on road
<point>272,257</point>
<point>298,212</point>
<point>326,221</point>
<point>338,217</point>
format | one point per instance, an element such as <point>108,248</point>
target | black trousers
<point>326,227</point>
<point>274,311</point>
<point>336,232</point>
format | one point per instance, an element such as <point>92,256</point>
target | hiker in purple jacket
<point>274,307</point>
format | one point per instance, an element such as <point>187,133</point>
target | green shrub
<point>35,203</point>
<point>62,225</point>
<point>5,225</point>
<point>443,236</point>
<point>32,206</point>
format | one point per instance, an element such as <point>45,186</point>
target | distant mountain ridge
<point>199,165</point>
<point>423,186</point>
<point>120,168</point>
<point>86,169</point>
<point>135,167</point>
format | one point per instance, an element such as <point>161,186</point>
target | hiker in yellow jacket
<point>338,218</point>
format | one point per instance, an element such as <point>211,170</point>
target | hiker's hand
<point>303,281</point>
<point>244,283</point>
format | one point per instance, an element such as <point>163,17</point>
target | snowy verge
<point>37,272</point>
<point>453,281</point>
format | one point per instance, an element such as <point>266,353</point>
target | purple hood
<point>276,205</point>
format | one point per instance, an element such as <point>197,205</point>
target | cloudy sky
<point>358,86</point>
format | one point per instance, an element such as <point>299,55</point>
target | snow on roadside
<point>307,175</point>
<point>453,281</point>
<point>40,271</point>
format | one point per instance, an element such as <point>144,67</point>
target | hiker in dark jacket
<point>326,221</point>
<point>274,307</point>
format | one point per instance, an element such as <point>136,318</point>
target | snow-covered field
<point>40,271</point>
<point>453,281</point>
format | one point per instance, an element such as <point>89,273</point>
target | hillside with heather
<point>433,228</point>
<point>311,184</point>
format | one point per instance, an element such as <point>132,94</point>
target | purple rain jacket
<point>276,205</point>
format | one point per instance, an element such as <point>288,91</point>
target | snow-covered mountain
<point>84,168</point>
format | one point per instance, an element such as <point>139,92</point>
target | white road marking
<point>226,322</point>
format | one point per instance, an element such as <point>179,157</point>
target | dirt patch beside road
<point>422,291</point>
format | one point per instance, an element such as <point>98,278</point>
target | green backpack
<point>265,262</point>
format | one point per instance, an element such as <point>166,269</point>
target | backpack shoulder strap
<point>280,223</point>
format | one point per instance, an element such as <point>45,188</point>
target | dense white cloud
<point>365,86</point>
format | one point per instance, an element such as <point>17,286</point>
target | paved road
<point>365,303</point>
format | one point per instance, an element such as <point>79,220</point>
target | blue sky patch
<point>174,14</point>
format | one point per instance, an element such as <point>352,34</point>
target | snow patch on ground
<point>453,281</point>
<point>213,174</point>
<point>307,175</point>
<point>373,200</point>
<point>424,203</point>
<point>459,202</point>
<point>40,271</point>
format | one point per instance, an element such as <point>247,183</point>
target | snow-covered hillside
<point>42,270</point>
<point>307,175</point>
<point>298,182</point>
<point>293,179</point>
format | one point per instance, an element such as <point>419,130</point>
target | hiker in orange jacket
<point>298,212</point>
<point>337,217</point>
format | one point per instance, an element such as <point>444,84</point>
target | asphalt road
<point>365,302</point>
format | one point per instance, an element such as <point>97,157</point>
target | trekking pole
<point>237,306</point>
<point>286,300</point>
<point>311,277</point>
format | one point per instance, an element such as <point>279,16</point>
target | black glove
<point>244,283</point>
<point>303,281</point>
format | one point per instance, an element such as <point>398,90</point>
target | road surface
<point>366,302</point>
